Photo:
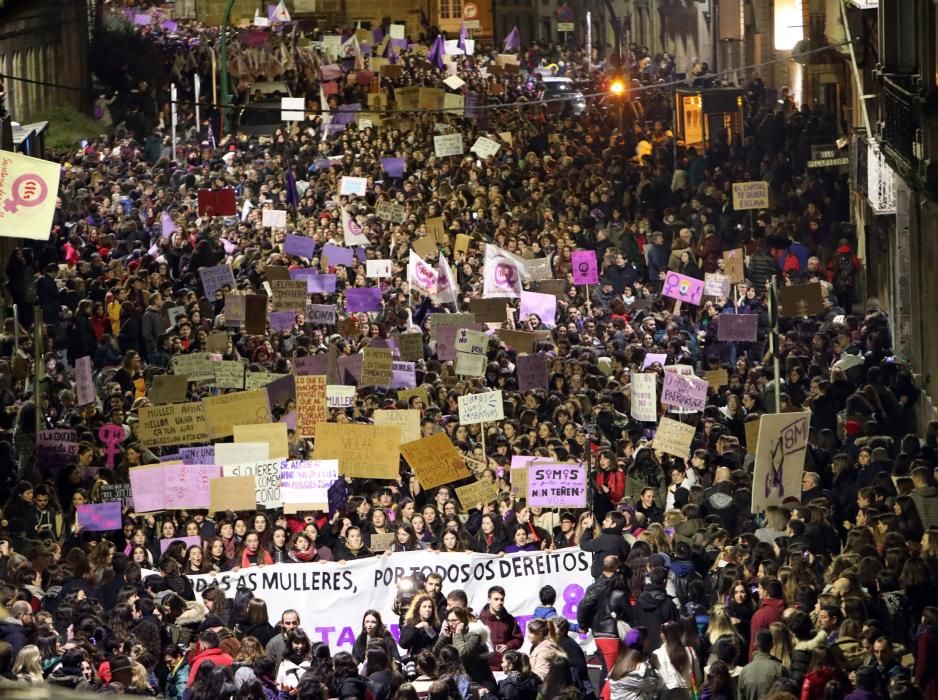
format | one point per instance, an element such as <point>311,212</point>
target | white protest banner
<point>274,218</point>
<point>645,396</point>
<point>750,195</point>
<point>448,145</point>
<point>266,480</point>
<point>485,147</point>
<point>321,313</point>
<point>304,484</point>
<point>292,109</point>
<point>339,396</point>
<point>353,185</point>
<point>378,268</point>
<point>475,342</point>
<point>333,596</point>
<point>481,408</point>
<point>780,451</point>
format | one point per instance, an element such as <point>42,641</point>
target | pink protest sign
<point>654,357</point>
<point>99,517</point>
<point>544,306</point>
<point>684,392</point>
<point>147,484</point>
<point>111,435</point>
<point>585,269</point>
<point>84,380</point>
<point>187,485</point>
<point>191,541</point>
<point>682,288</point>
<point>553,484</point>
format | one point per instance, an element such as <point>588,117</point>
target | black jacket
<point>416,639</point>
<point>653,608</point>
<point>610,541</point>
<point>519,686</point>
<point>14,634</point>
<point>601,609</point>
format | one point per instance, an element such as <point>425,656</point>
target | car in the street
<point>564,96</point>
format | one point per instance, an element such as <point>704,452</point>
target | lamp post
<point>223,64</point>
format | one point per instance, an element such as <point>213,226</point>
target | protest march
<point>435,386</point>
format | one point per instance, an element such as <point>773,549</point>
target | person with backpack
<point>604,606</point>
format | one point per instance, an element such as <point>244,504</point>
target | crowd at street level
<point>695,596</point>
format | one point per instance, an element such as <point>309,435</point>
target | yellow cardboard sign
<point>223,413</point>
<point>173,424</point>
<point>435,461</point>
<point>364,451</point>
<point>274,434</point>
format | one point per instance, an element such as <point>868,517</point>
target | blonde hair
<point>139,679</point>
<point>781,643</point>
<point>28,664</point>
<point>673,517</point>
<point>720,624</point>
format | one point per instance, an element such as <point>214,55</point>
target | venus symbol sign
<point>28,190</point>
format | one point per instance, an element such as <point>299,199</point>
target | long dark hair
<point>210,679</point>
<point>380,631</point>
<point>673,646</point>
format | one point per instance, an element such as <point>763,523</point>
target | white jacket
<point>671,678</point>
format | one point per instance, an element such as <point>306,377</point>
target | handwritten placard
<point>365,451</point>
<point>187,485</point>
<point>229,374</point>
<point>435,460</point>
<point>84,381</point>
<point>340,396</point>
<point>227,453</point>
<point>475,493</point>
<point>117,493</point>
<point>445,145</point>
<point>780,453</point>
<point>554,484</point>
<point>585,269</point>
<point>717,378</point>
<point>733,265</point>
<point>407,420</point>
<point>169,388</point>
<point>644,397</point>
<point>376,366</point>
<point>716,285</point>
<point>304,484</point>
<point>481,408</point>
<point>56,448</point>
<point>310,403</point>
<point>216,278</point>
<point>266,475</point>
<point>197,366</point>
<point>684,391</point>
<point>673,437</point>
<point>274,434</point>
<point>750,195</point>
<point>172,424</point>
<point>469,365</point>
<point>289,295</point>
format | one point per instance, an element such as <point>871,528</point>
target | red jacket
<point>215,656</point>
<point>614,479</point>
<point>503,629</point>
<point>770,610</point>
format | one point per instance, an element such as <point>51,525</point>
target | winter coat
<point>149,631</point>
<point>542,655</point>
<point>518,686</point>
<point>770,610</point>
<point>805,655</point>
<point>214,656</point>
<point>13,633</point>
<point>610,541</point>
<point>353,687</point>
<point>653,608</point>
<point>850,653</point>
<point>473,649</point>
<point>926,670</point>
<point>503,629</point>
<point>81,339</point>
<point>416,639</point>
<point>361,645</point>
<point>152,327</point>
<point>926,505</point>
<point>263,632</point>
<point>602,609</point>
<point>186,627</point>
<point>176,679</point>
<point>290,672</point>
<point>759,675</point>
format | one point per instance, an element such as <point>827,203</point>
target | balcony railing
<point>901,117</point>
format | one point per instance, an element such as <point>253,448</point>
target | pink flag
<point>421,276</point>
<point>446,284</point>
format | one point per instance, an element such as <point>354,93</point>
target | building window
<point>450,9</point>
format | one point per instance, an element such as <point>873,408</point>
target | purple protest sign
<point>99,517</point>
<point>338,496</point>
<point>84,380</point>
<point>191,541</point>
<point>350,368</point>
<point>330,71</point>
<point>142,20</point>
<point>394,167</point>
<point>684,391</point>
<point>312,364</point>
<point>682,288</point>
<point>389,343</point>
<point>362,299</point>
<point>403,375</point>
<point>337,255</point>
<point>315,283</point>
<point>169,25</point>
<point>290,420</point>
<point>345,118</point>
<point>167,225</point>
<point>553,484</point>
<point>282,321</point>
<point>544,306</point>
<point>533,372</point>
<point>204,454</point>
<point>187,485</point>
<point>300,246</point>
<point>111,435</point>
<point>446,343</point>
<point>654,357</point>
<point>585,269</point>
<point>740,328</point>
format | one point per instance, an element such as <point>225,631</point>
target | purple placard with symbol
<point>553,484</point>
<point>204,454</point>
<point>111,435</point>
<point>682,288</point>
<point>585,269</point>
<point>99,517</point>
<point>739,328</point>
<point>684,391</point>
<point>300,246</point>
<point>362,299</point>
<point>337,255</point>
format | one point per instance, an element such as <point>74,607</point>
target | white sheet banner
<point>331,598</point>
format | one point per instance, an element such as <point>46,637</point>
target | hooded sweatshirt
<point>653,608</point>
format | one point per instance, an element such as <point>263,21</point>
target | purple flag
<point>359,299</point>
<point>435,55</point>
<point>513,40</point>
<point>394,167</point>
<point>293,195</point>
<point>337,255</point>
<point>463,35</point>
<point>301,246</point>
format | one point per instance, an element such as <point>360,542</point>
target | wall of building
<point>44,41</point>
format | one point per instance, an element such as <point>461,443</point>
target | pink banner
<point>585,269</point>
<point>682,288</point>
<point>553,484</point>
<point>684,392</point>
<point>147,486</point>
<point>187,485</point>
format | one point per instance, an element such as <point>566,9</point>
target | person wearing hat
<point>121,669</point>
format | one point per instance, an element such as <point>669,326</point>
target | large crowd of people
<point>827,595</point>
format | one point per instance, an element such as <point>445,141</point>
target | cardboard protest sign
<point>435,460</point>
<point>489,310</point>
<point>673,437</point>
<point>234,309</point>
<point>172,424</point>
<point>117,493</point>
<point>310,403</point>
<point>169,388</point>
<point>644,398</point>
<point>733,262</point>
<point>474,342</point>
<point>324,314</point>
<point>304,484</point>
<point>376,366</point>
<point>299,246</point>
<point>485,147</point>
<point>683,288</point>
<point>459,320</point>
<point>56,448</point>
<point>752,434</point>
<point>410,346</point>
<point>197,366</point>
<point>436,230</point>
<point>780,452</point>
<point>231,493</point>
<point>380,542</point>
<point>289,295</point>
<point>717,378</point>
<point>477,492</point>
<point>274,218</point>
<point>274,434</point>
<point>557,484</point>
<point>255,314</point>
<point>738,328</point>
<point>224,412</point>
<point>365,451</point>
<point>187,485</point>
<point>519,473</point>
<point>684,391</point>
<point>217,342</point>
<point>391,211</point>
<point>227,453</point>
<point>519,341</point>
<point>407,420</point>
<point>585,268</point>
<point>353,186</point>
<point>378,269</point>
<point>533,372</point>
<point>256,380</point>
<point>750,195</point>
<point>339,396</point>
<point>469,365</point>
<point>716,285</point>
<point>481,408</point>
<point>215,278</point>
<point>99,517</point>
<point>266,476</point>
<point>229,374</point>
<point>801,300</point>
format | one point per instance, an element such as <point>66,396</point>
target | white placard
<point>378,268</point>
<point>448,145</point>
<point>353,185</point>
<point>340,396</point>
<point>261,22</point>
<point>292,109</point>
<point>397,31</point>
<point>481,408</point>
<point>485,147</point>
<point>321,313</point>
<point>274,218</point>
<point>232,453</point>
<point>454,82</point>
